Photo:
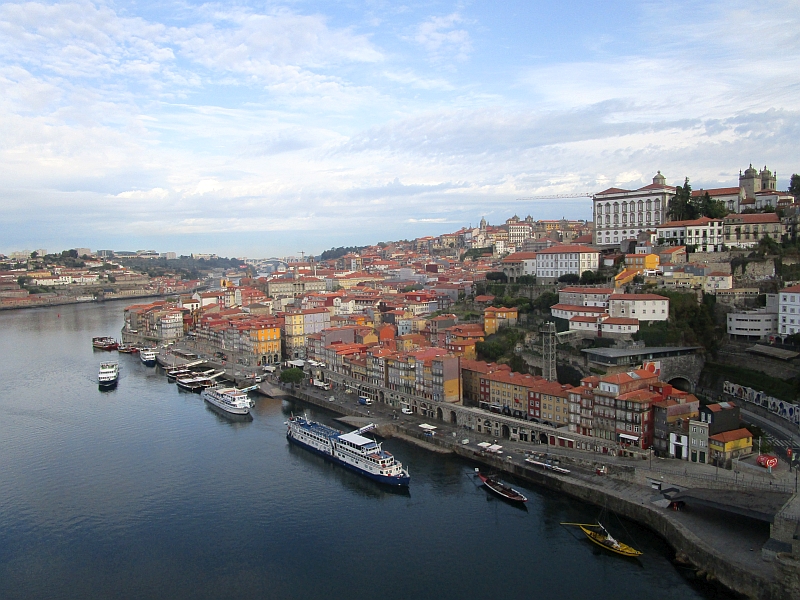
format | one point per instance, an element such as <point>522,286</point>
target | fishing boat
<point>148,357</point>
<point>498,488</point>
<point>108,375</point>
<point>228,399</point>
<point>600,536</point>
<point>352,450</point>
<point>104,343</point>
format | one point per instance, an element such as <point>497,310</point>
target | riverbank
<point>700,538</point>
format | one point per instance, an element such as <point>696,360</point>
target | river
<point>145,492</point>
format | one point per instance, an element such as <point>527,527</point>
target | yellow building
<point>495,318</point>
<point>266,342</point>
<point>642,262</point>
<point>726,446</point>
<point>624,277</point>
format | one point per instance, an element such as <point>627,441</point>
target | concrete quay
<point>719,546</point>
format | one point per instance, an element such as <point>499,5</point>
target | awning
<point>484,444</point>
<point>494,448</point>
<point>427,427</point>
<point>635,438</point>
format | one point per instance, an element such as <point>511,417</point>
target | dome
<point>751,172</point>
<point>659,179</point>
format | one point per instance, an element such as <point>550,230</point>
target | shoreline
<point>772,581</point>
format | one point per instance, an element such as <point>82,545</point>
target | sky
<point>264,129</point>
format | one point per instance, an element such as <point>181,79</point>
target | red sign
<point>789,452</point>
<point>767,461</point>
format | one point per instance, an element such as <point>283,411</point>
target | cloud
<point>440,38</point>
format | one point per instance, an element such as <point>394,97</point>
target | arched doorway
<point>543,438</point>
<point>505,432</point>
<point>440,414</point>
<point>453,418</point>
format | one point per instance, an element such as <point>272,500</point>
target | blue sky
<point>256,129</point>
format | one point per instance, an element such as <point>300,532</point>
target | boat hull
<point>598,538</point>
<point>506,493</point>
<point>383,479</point>
<point>104,385</point>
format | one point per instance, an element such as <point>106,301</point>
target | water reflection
<point>227,418</point>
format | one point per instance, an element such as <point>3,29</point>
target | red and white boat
<point>498,488</point>
<point>105,343</point>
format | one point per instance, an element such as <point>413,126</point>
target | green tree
<point>794,187</point>
<point>293,375</point>
<point>569,278</point>
<point>713,209</point>
<point>681,207</point>
<point>545,301</point>
<point>588,278</point>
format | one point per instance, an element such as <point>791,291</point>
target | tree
<point>588,278</point>
<point>681,207</point>
<point>569,278</point>
<point>293,375</point>
<point>794,187</point>
<point>713,209</point>
<point>496,276</point>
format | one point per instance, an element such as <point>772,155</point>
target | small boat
<point>495,486</point>
<point>173,374</point>
<point>104,343</point>
<point>127,349</point>
<point>600,536</point>
<point>148,357</point>
<point>108,375</point>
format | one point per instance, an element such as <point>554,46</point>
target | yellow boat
<point>600,536</point>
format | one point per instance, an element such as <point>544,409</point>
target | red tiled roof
<point>586,290</point>
<point>573,248</point>
<point>620,321</point>
<point>716,191</point>
<point>576,308</point>
<point>637,297</point>
<point>731,436</point>
<point>755,218</point>
<point>792,290</point>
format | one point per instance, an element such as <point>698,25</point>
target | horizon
<point>270,130</point>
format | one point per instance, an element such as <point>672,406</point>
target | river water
<point>145,492</point>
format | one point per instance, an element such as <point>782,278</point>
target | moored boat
<point>494,485</point>
<point>352,450</point>
<point>148,356</point>
<point>108,375</point>
<point>600,536</point>
<point>127,349</point>
<point>104,343</point>
<point>229,399</point>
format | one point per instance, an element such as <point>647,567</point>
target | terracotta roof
<point>576,308</point>
<point>792,290</point>
<point>691,223</point>
<point>731,436</point>
<point>583,319</point>
<point>620,321</point>
<point>755,218</point>
<point>517,256</point>
<point>716,191</point>
<point>637,297</point>
<point>574,248</point>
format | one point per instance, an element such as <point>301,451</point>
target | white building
<point>623,214</point>
<point>789,310</point>
<point>703,233</point>
<point>645,307</point>
<point>552,263</point>
<point>717,281</point>
<point>518,264</point>
<point>752,324</point>
<point>584,296</point>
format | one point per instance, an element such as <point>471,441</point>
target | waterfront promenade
<point>718,547</point>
